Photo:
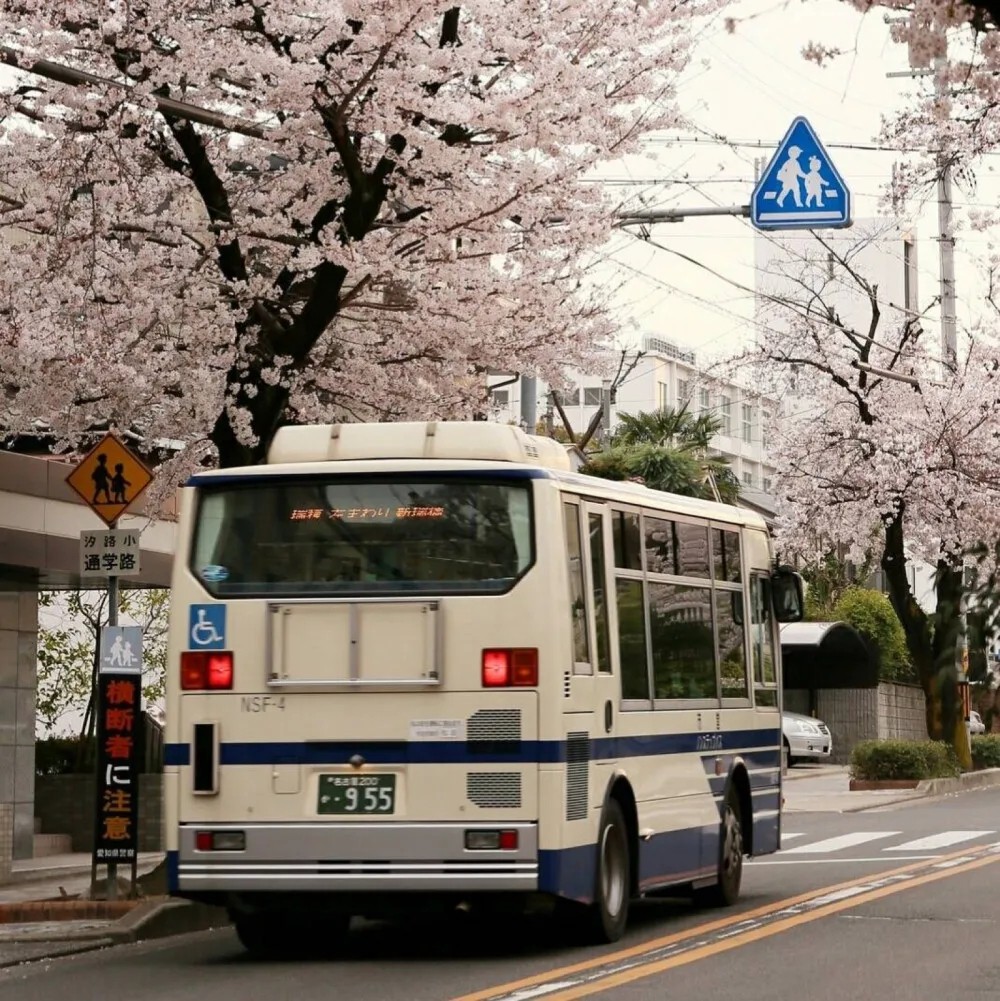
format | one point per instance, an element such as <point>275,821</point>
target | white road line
<point>789,835</point>
<point>839,843</point>
<point>942,840</point>
<point>847,860</point>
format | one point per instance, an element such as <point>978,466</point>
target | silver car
<point>805,737</point>
<point>975,723</point>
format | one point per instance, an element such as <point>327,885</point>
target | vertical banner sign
<point>119,701</point>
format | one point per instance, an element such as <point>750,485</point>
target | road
<point>927,930</point>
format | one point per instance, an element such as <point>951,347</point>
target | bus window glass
<point>597,571</point>
<point>692,550</point>
<point>760,634</point>
<point>626,538</point>
<point>661,556</point>
<point>578,608</point>
<point>340,536</point>
<point>680,625</point>
<point>732,645</point>
<point>632,640</point>
<point>726,553</point>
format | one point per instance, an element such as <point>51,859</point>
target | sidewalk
<point>826,789</point>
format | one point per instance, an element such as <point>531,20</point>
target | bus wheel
<point>278,936</point>
<point>729,876</point>
<point>609,912</point>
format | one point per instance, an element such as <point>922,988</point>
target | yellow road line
<point>607,958</point>
<point>756,934</point>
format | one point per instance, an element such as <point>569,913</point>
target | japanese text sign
<point>110,553</point>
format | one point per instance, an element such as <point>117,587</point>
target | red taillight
<point>508,841</point>
<point>203,841</point>
<point>496,668</point>
<point>504,668</point>
<point>202,670</point>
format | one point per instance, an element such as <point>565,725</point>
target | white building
<point>668,376</point>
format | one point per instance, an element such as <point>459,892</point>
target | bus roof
<point>452,447</point>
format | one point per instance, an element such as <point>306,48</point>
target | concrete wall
<point>889,712</point>
<point>18,651</point>
<point>6,840</point>
<point>65,805</point>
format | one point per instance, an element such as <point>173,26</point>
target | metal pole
<point>606,413</point>
<point>529,402</point>
<point>946,246</point>
<point>112,884</point>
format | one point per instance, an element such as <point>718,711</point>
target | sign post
<point>109,479</point>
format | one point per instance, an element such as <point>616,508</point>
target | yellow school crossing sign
<point>110,479</point>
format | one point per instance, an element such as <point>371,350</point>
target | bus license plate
<point>357,794</point>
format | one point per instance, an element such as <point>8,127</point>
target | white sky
<point>755,82</point>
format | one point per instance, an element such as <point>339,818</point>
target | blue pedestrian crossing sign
<point>801,188</point>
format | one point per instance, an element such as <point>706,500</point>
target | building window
<point>591,396</point>
<point>500,397</point>
<point>747,423</point>
<point>768,484</point>
<point>726,414</point>
<point>765,424</point>
<point>662,396</point>
<point>683,392</point>
<point>703,400</point>
<point>748,479</point>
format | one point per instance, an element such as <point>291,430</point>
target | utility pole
<point>529,402</point>
<point>946,242</point>
<point>606,414</point>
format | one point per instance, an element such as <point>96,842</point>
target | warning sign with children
<point>110,478</point>
<point>801,188</point>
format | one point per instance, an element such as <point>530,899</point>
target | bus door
<point>590,698</point>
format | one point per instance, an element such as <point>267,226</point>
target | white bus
<point>429,665</point>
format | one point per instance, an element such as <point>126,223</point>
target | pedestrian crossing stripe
<point>827,846</point>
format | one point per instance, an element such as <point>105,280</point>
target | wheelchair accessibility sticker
<point>207,629</point>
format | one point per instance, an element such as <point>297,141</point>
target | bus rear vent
<point>577,775</point>
<point>494,790</point>
<point>503,725</point>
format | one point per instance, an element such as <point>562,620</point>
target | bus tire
<point>729,874</point>
<point>613,879</point>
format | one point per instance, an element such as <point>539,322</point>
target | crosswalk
<point>886,843</point>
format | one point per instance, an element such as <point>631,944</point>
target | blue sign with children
<point>801,188</point>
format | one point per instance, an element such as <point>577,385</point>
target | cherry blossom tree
<point>222,216</point>
<point>883,446</point>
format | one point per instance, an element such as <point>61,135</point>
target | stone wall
<point>18,652</point>
<point>6,840</point>
<point>65,805</point>
<point>891,711</point>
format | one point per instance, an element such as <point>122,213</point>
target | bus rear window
<point>340,537</point>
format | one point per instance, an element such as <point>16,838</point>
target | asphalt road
<point>929,931</point>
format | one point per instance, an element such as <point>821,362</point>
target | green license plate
<point>361,794</point>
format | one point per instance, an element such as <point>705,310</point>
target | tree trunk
<point>933,646</point>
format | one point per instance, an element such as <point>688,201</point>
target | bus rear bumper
<point>350,857</point>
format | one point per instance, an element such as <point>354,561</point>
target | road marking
<point>839,843</point>
<point>943,840</point>
<point>730,927</point>
<point>790,836</point>
<point>846,860</point>
<point>704,951</point>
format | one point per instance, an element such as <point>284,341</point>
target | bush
<point>873,760</point>
<point>872,614</point>
<point>986,750</point>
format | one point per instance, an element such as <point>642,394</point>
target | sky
<point>747,86</point>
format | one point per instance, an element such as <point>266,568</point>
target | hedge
<point>986,750</point>
<point>873,760</point>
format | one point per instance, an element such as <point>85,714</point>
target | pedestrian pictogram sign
<point>821,202</point>
<point>110,478</point>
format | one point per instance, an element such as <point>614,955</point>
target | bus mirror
<point>787,595</point>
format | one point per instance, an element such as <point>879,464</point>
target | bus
<point>433,665</point>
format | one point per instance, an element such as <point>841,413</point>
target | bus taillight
<point>202,670</point>
<point>506,668</point>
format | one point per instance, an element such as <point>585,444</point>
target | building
<point>668,376</point>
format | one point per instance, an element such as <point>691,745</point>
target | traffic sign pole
<point>112,621</point>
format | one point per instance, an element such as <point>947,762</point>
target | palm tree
<point>667,449</point>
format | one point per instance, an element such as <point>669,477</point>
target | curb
<point>987,778</point>
<point>150,919</point>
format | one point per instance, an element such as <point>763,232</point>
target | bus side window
<point>761,638</point>
<point>577,591</point>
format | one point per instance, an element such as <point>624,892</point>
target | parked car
<point>975,723</point>
<point>805,737</point>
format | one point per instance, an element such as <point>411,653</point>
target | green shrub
<point>986,750</point>
<point>873,760</point>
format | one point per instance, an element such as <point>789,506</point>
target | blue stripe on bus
<point>331,752</point>
<point>208,479</point>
